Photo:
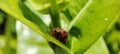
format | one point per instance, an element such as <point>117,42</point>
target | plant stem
<point>54,13</point>
<point>68,15</point>
<point>8,34</point>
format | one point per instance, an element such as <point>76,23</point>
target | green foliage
<point>31,15</point>
<point>91,20</point>
<point>84,20</point>
<point>43,5</point>
<point>99,47</point>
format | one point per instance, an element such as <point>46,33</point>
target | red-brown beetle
<point>60,34</point>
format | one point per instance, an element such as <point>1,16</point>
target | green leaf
<point>73,8</point>
<point>92,21</point>
<point>99,47</point>
<point>33,16</point>
<point>43,5</point>
<point>113,39</point>
<point>114,36</point>
<point>76,6</point>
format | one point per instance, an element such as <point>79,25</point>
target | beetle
<point>59,34</point>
